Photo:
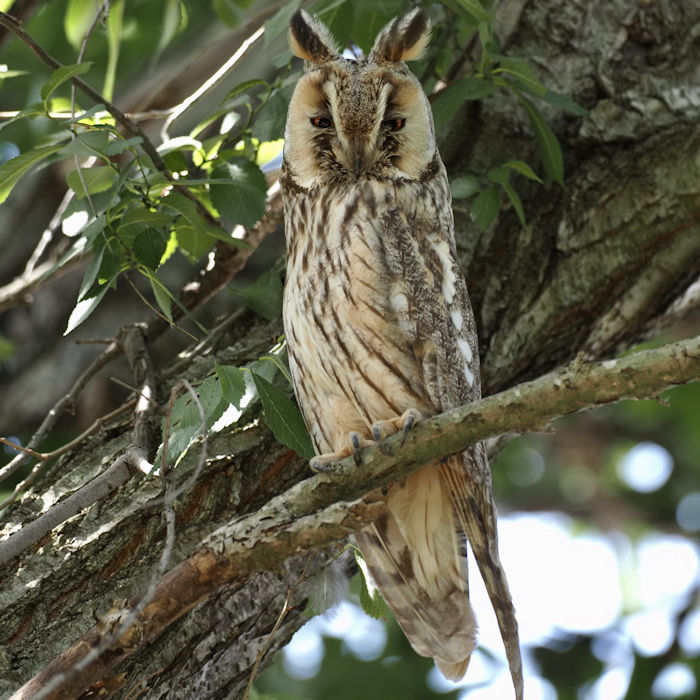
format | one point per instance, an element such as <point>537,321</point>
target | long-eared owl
<point>379,326</point>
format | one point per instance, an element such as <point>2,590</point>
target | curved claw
<point>357,450</point>
<point>383,447</point>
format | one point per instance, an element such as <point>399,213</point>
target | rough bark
<point>604,263</point>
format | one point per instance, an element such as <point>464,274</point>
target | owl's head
<point>350,119</point>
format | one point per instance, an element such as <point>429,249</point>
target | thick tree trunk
<point>605,262</point>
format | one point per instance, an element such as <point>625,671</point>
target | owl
<point>379,326</point>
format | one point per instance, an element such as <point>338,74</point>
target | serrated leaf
<point>264,296</point>
<point>59,76</point>
<point>523,168</point>
<point>270,120</point>
<point>191,217</point>
<point>232,382</point>
<point>148,248</point>
<point>242,201</point>
<point>12,170</point>
<point>547,144</point>
<point>463,187</point>
<point>134,221</point>
<point>484,208</point>
<point>283,417</point>
<point>97,179</point>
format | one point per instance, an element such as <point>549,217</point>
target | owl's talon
<point>357,450</point>
<point>409,418</point>
<point>379,439</point>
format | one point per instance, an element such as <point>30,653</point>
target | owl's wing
<point>429,298</point>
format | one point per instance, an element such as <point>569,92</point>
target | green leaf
<point>193,244</point>
<point>280,362</point>
<point>519,68</point>
<point>484,208</point>
<point>463,187</point>
<point>501,176</point>
<point>12,171</point>
<point>85,307</point>
<point>163,297</point>
<point>371,599</point>
<point>232,382</point>
<point>243,201</point>
<point>5,73</point>
<point>243,87</point>
<point>283,417</point>
<point>547,144</point>
<point>270,120</point>
<point>119,145</point>
<point>225,9</point>
<point>114,33</point>
<point>97,179</point>
<point>264,296</point>
<point>448,102</point>
<point>90,275</point>
<point>476,10</point>
<point>564,102</point>
<point>87,143</point>
<point>185,421</point>
<point>136,220</point>
<point>149,247</point>
<point>77,20</point>
<point>523,168</point>
<point>59,76</point>
<point>279,22</point>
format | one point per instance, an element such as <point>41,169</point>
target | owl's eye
<point>395,124</point>
<point>321,122</point>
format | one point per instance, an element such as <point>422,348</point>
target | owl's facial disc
<point>352,120</point>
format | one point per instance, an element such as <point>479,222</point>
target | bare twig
<point>67,402</point>
<point>326,508</point>
<point>211,82</point>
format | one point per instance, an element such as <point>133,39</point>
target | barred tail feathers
<point>469,483</point>
<point>416,556</point>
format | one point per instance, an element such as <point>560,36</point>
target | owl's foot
<point>384,428</point>
<point>326,463</point>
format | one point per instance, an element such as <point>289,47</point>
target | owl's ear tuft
<point>310,39</point>
<point>403,39</point>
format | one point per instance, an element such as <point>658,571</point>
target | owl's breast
<point>352,364</point>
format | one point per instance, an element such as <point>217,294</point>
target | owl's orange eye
<point>395,124</point>
<point>321,122</point>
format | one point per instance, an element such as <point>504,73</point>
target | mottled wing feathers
<point>430,299</point>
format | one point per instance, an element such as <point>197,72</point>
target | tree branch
<point>324,508</point>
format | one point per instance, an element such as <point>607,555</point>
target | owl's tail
<point>417,558</point>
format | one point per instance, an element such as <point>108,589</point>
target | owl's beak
<point>360,157</point>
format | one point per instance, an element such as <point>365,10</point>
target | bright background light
<point>562,581</point>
